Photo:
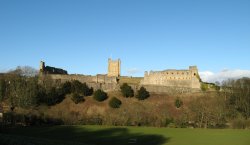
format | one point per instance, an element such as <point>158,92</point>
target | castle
<point>154,81</point>
<point>173,78</point>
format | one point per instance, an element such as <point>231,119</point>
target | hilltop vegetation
<point>34,101</point>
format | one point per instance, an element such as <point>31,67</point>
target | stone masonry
<point>50,70</point>
<point>173,78</point>
<point>114,68</point>
<point>154,81</point>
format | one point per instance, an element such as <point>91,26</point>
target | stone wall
<point>97,82</point>
<point>84,78</point>
<point>166,81</point>
<point>111,84</point>
<point>173,78</point>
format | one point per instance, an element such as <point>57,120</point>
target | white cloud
<point>208,76</point>
<point>132,71</point>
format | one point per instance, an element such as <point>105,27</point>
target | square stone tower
<point>194,71</point>
<point>42,66</point>
<point>114,68</point>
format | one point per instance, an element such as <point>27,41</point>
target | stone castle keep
<point>154,81</point>
<point>114,68</point>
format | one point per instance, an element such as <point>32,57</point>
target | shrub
<point>86,90</point>
<point>100,95</point>
<point>81,88</point>
<point>53,97</point>
<point>178,103</point>
<point>240,123</point>
<point>217,88</point>
<point>127,91</point>
<point>50,97</point>
<point>77,98</point>
<point>115,103</point>
<point>76,87</point>
<point>2,89</point>
<point>142,94</point>
<point>204,86</point>
<point>168,121</point>
<point>66,87</point>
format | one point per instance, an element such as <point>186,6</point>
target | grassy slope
<point>104,135</point>
<point>157,107</point>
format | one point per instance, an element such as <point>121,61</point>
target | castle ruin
<point>99,81</point>
<point>173,78</point>
<point>50,70</point>
<point>167,81</point>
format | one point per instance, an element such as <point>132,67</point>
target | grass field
<point>103,135</point>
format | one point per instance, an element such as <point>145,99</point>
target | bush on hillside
<point>142,94</point>
<point>76,87</point>
<point>127,91</point>
<point>2,89</point>
<point>115,103</point>
<point>204,87</point>
<point>81,88</point>
<point>77,98</point>
<point>53,96</point>
<point>178,103</point>
<point>100,95</point>
<point>66,87</point>
<point>86,90</point>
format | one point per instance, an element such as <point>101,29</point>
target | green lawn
<point>103,135</point>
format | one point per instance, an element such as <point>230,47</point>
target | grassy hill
<point>153,111</point>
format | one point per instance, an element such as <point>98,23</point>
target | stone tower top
<point>193,68</point>
<point>42,65</point>
<point>114,68</point>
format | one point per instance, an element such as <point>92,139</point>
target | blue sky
<point>80,35</point>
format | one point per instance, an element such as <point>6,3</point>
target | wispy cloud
<point>209,76</point>
<point>132,71</point>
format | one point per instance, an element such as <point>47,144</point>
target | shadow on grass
<point>91,136</point>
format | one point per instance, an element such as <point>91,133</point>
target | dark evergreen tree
<point>115,103</point>
<point>142,94</point>
<point>127,91</point>
<point>100,95</point>
<point>77,98</point>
